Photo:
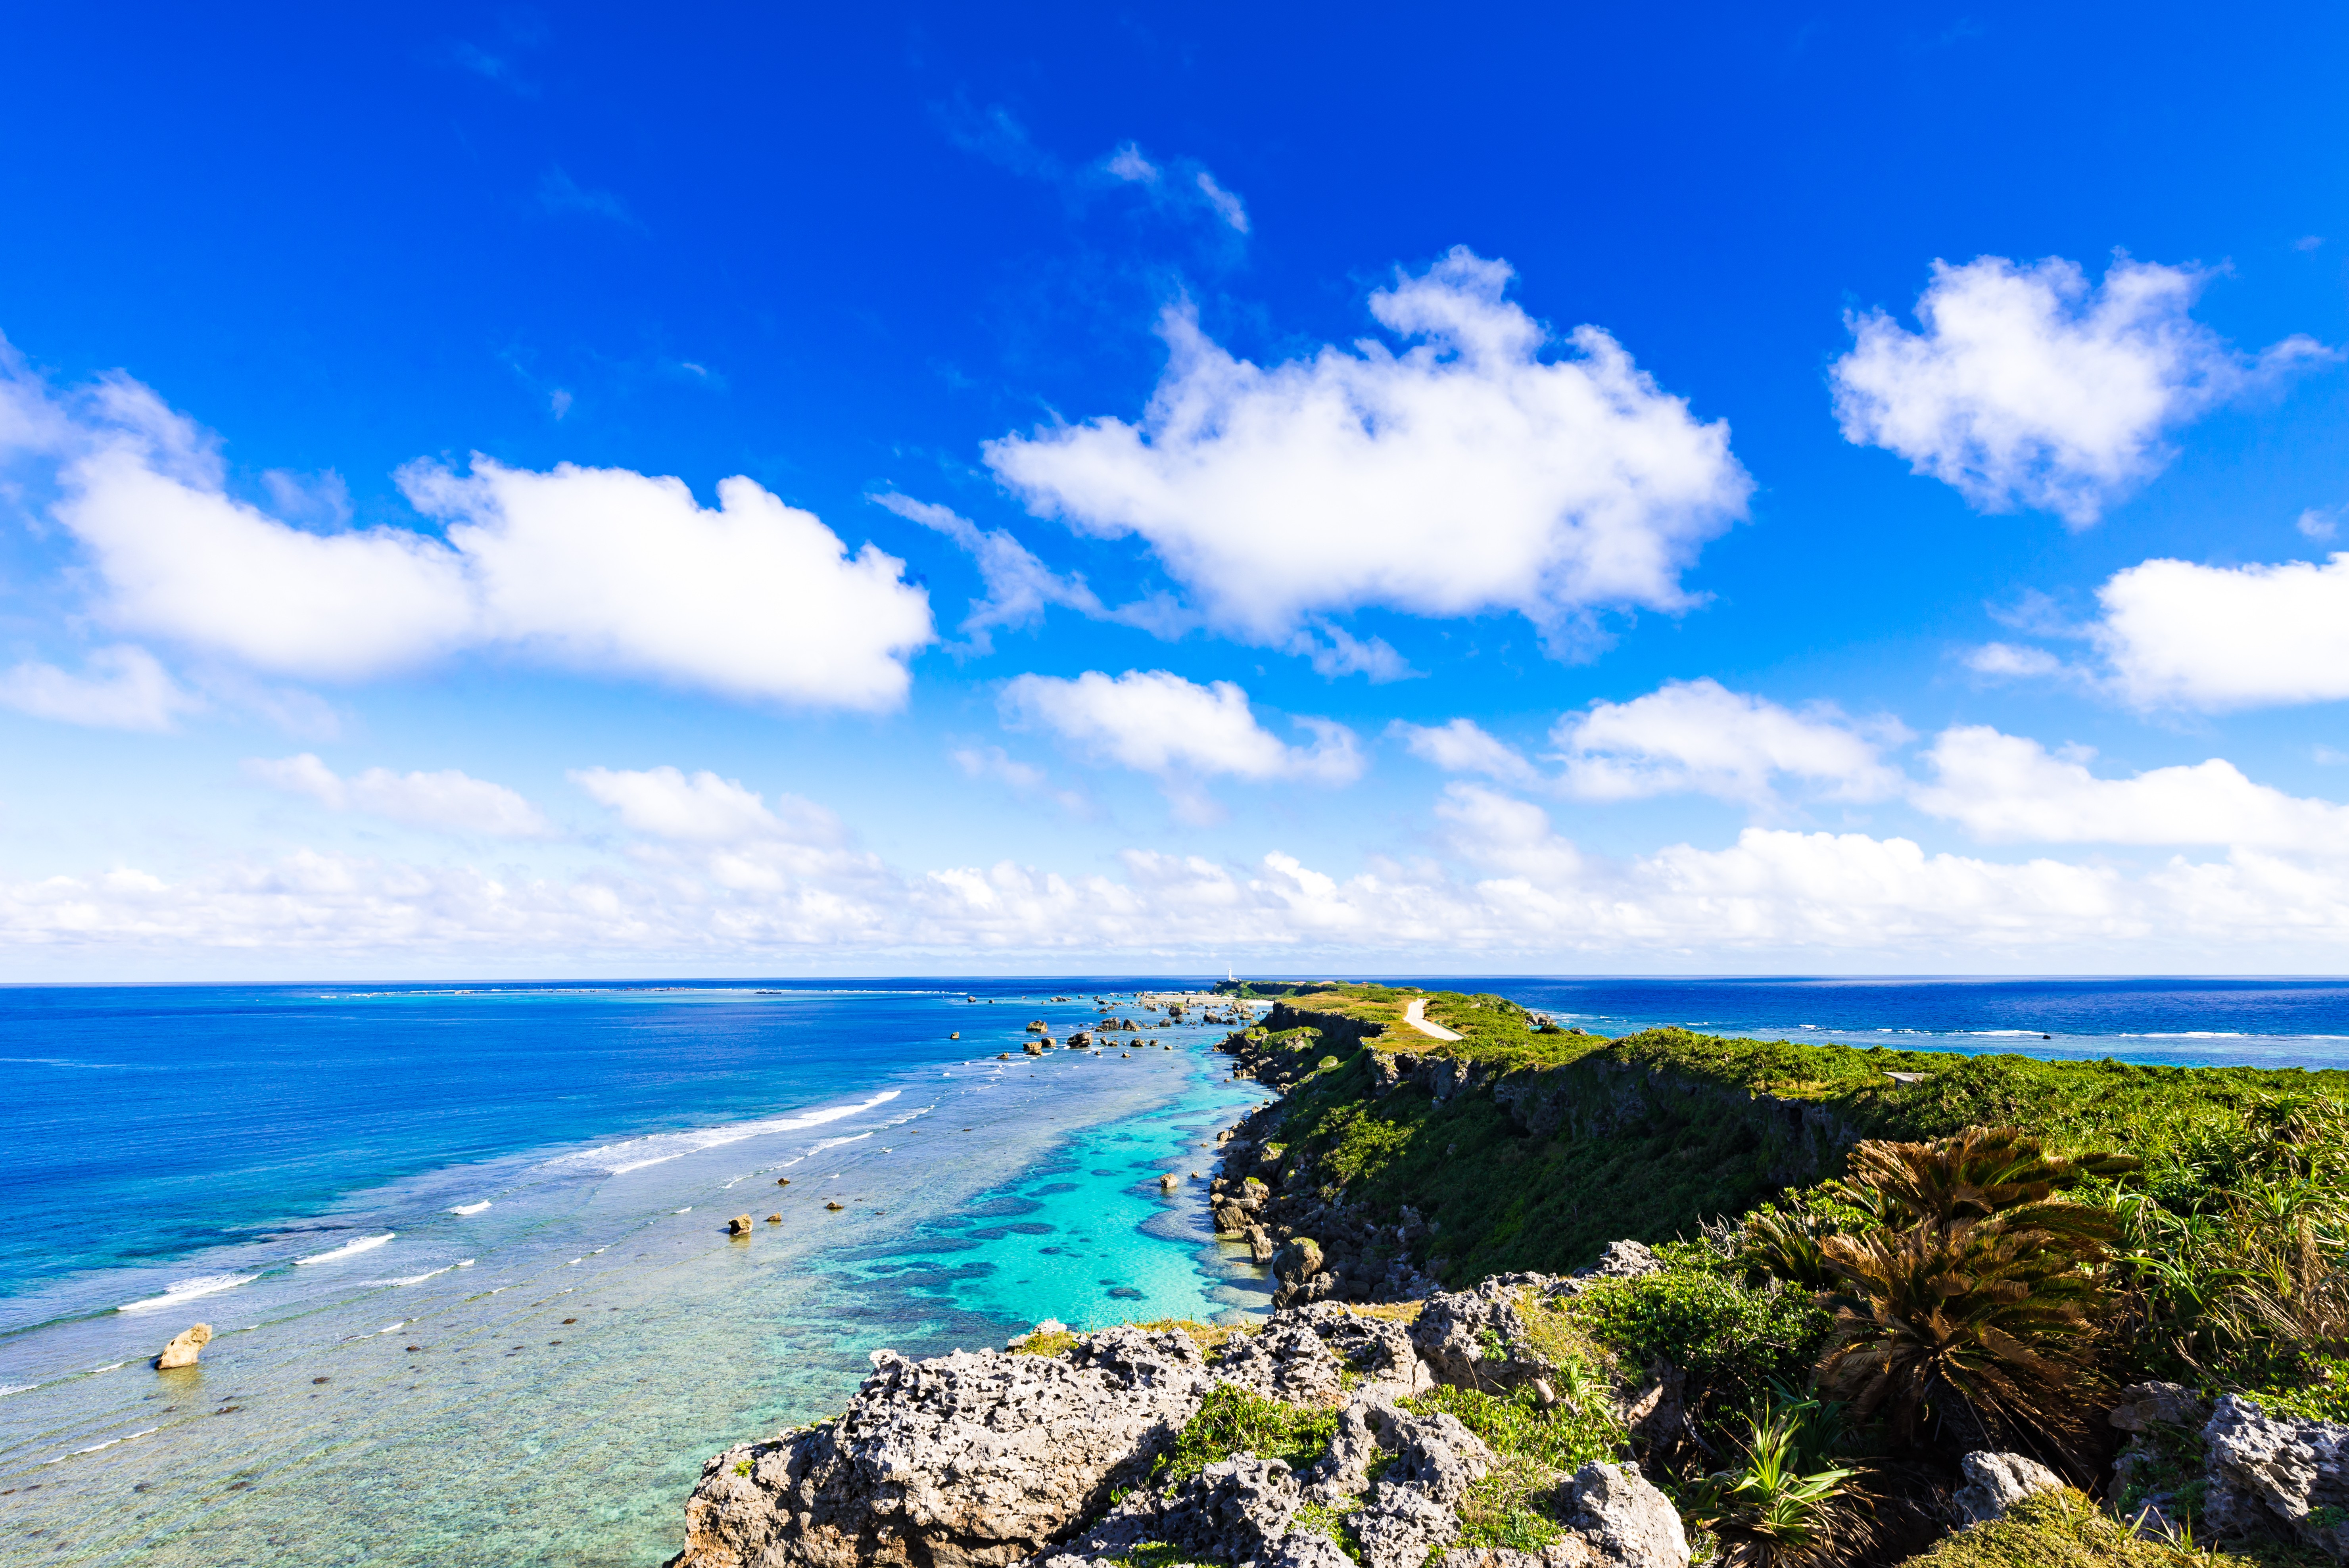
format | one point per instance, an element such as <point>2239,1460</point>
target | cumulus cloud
<point>603,569</point>
<point>2221,637</point>
<point>121,687</point>
<point>1156,722</point>
<point>1700,737</point>
<point>704,808</point>
<point>448,801</point>
<point>2004,788</point>
<point>2027,387</point>
<point>1465,474</point>
<point>1464,747</point>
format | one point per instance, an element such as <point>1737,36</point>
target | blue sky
<point>534,492</point>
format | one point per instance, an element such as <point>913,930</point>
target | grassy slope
<point>1503,1200</point>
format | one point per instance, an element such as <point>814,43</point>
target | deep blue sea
<point>464,1248</point>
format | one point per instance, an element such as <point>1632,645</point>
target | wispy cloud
<point>558,193</point>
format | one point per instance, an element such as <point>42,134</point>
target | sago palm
<point>1988,1318</point>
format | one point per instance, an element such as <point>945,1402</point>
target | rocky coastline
<point>1377,1419</point>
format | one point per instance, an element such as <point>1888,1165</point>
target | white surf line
<point>187,1290</point>
<point>1415,1016</point>
<point>470,1208</point>
<point>108,1444</point>
<point>348,1249</point>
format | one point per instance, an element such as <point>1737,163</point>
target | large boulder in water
<point>184,1347</point>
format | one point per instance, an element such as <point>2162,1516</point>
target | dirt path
<point>1414,1015</point>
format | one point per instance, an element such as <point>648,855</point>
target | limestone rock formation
<point>1995,1482</point>
<point>184,1347</point>
<point>2143,1406</point>
<point>1457,1329</point>
<point>2277,1473</point>
<point>969,1460</point>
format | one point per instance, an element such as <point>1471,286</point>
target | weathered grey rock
<point>1996,1482</point>
<point>1623,1260</point>
<point>1401,1527</point>
<point>2270,1474</point>
<point>1298,1261</point>
<point>1655,1412</point>
<point>1627,1522</point>
<point>184,1347</point>
<point>1231,1509</point>
<point>1307,1549</point>
<point>1261,1247</point>
<point>1377,1348</point>
<point>1574,1551</point>
<point>969,1461</point>
<point>2143,1406</point>
<point>1476,1338</point>
<point>1285,1360</point>
<point>1230,1512</point>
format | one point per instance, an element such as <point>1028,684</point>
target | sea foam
<point>635,1153</point>
<point>186,1290</point>
<point>364,1244</point>
<point>470,1208</point>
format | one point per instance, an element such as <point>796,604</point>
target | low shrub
<point>1734,1340</point>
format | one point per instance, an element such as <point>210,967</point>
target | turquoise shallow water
<point>404,1375</point>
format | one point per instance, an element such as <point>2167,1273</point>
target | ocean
<point>465,1248</point>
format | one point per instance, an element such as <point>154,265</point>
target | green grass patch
<point>2064,1529</point>
<point>1566,1437</point>
<point>1238,1420</point>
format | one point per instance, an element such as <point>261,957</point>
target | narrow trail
<point>1415,1016</point>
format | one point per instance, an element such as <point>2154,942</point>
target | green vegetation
<point>1788,1503</point>
<point>2064,1529</point>
<point>1236,1421</point>
<point>1734,1341</point>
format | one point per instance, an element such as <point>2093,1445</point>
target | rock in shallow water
<point>184,1347</point>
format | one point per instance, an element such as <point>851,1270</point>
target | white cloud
<point>2011,661</point>
<point>704,808</point>
<point>736,889</point>
<point>1700,737</point>
<point>1156,722</point>
<point>1227,205</point>
<point>599,567</point>
<point>1463,746</point>
<point>2319,524</point>
<point>448,801</point>
<point>2219,637</point>
<point>122,688</point>
<point>1464,475</point>
<point>1023,778</point>
<point>2004,788</point>
<point>1020,586</point>
<point>2027,387</point>
<point>756,599</point>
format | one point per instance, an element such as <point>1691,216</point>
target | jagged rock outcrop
<point>1618,1522</point>
<point>976,1459</point>
<point>1997,1481</point>
<point>2276,1474</point>
<point>2142,1407</point>
<point>1476,1338</point>
<point>1286,1361</point>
